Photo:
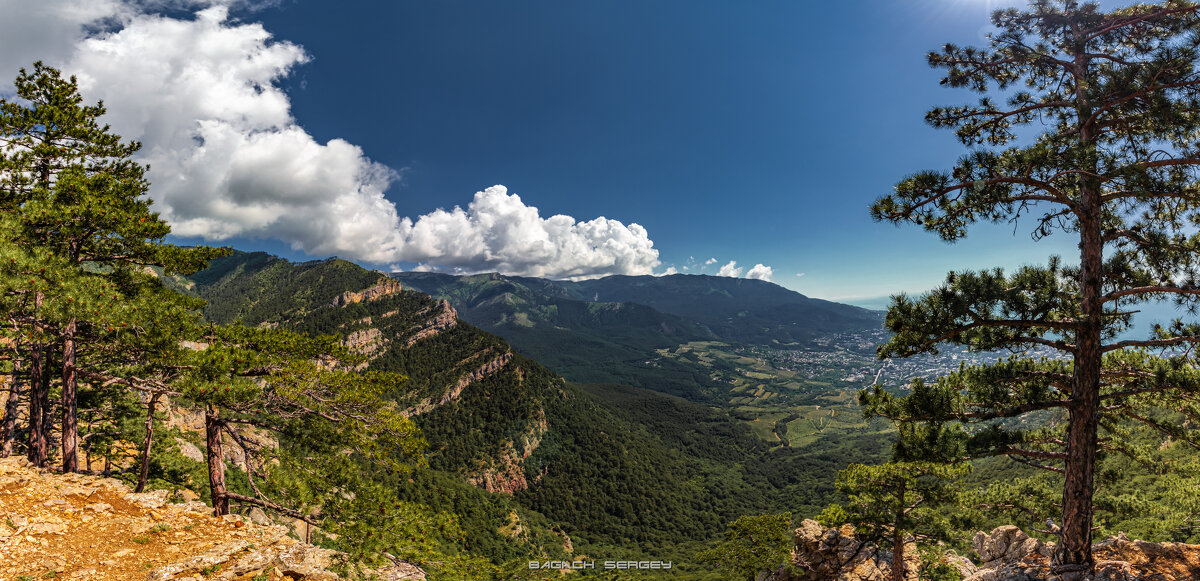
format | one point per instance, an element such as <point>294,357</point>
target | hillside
<point>507,425</point>
<point>735,309</point>
<point>607,330</point>
<point>588,342</point>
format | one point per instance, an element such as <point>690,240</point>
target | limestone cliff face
<point>503,475</point>
<point>506,473</point>
<point>440,317</point>
<point>369,342</point>
<point>386,286</point>
<point>492,366</point>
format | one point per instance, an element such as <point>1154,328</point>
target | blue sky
<point>749,132</point>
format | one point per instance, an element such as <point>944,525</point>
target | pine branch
<point>275,507</point>
<point>1149,343</point>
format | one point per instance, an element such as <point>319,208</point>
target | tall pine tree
<point>1115,97</point>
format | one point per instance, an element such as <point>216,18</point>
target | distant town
<point>849,359</point>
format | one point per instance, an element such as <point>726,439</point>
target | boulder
<point>836,555</point>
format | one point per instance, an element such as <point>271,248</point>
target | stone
<point>836,555</point>
<point>215,556</point>
<point>98,507</point>
<point>152,499</point>
<point>257,516</point>
<point>47,528</point>
<point>189,450</point>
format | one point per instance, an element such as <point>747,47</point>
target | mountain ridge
<point>501,421</point>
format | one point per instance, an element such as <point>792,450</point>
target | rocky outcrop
<point>481,372</point>
<point>836,555</point>
<point>505,474</point>
<point>75,526</point>
<point>1010,555</point>
<point>452,393</point>
<point>384,288</point>
<point>368,342</point>
<point>440,317</point>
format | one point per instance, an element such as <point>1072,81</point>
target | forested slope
<point>606,474</point>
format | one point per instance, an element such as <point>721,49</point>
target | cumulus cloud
<point>760,272</point>
<point>499,232</point>
<point>228,159</point>
<point>48,30</point>
<point>710,262</point>
<point>731,270</point>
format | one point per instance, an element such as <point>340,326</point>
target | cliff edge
<point>76,526</point>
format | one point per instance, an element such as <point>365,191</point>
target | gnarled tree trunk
<point>216,462</point>
<point>145,472</point>
<point>8,428</point>
<point>70,411</point>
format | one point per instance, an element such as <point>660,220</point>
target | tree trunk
<point>897,556</point>
<point>1073,555</point>
<point>145,472</point>
<point>70,408</point>
<point>216,462</point>
<point>8,429</point>
<point>39,408</point>
<point>898,536</point>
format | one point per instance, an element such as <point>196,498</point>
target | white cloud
<point>760,272</point>
<point>671,270</point>
<point>48,30</point>
<point>228,159</point>
<point>710,261</point>
<point>800,274</point>
<point>731,270</point>
<point>499,232</point>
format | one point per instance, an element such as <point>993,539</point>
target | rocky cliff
<point>1005,554</point>
<point>385,287</point>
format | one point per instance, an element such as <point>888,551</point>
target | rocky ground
<point>1005,554</point>
<point>74,526</point>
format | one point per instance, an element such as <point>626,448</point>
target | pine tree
<point>754,545</point>
<point>297,389</point>
<point>1115,98</point>
<point>77,208</point>
<point>897,502</point>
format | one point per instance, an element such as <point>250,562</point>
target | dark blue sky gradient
<point>751,131</point>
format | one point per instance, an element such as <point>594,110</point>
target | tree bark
<point>145,471</point>
<point>216,462</point>
<point>898,537</point>
<point>70,405</point>
<point>39,408</point>
<point>8,429</point>
<point>1073,555</point>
